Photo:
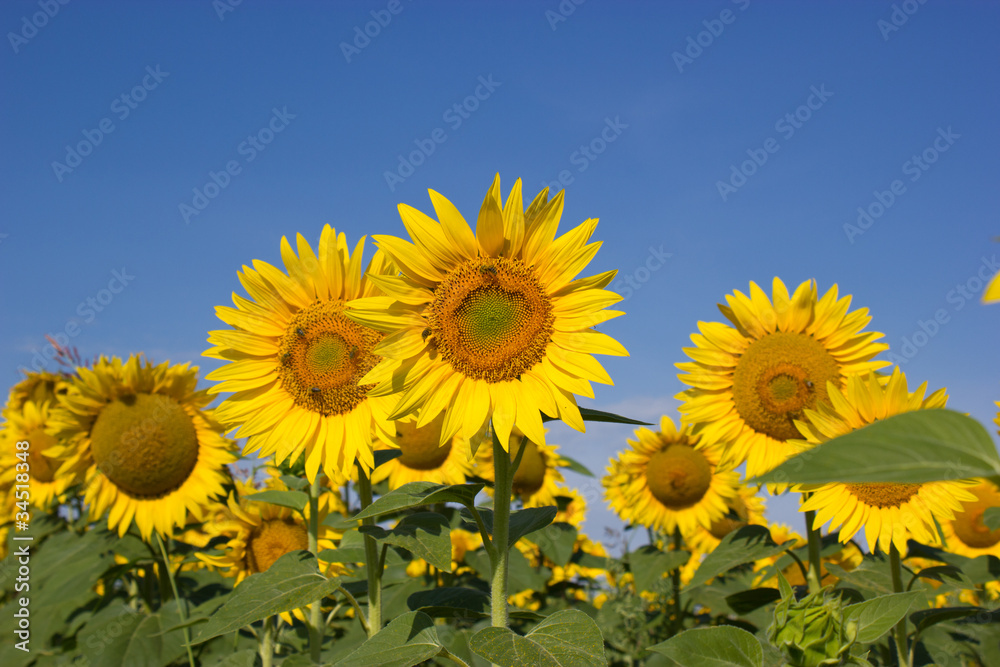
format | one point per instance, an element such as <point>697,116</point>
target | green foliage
<point>406,641</point>
<point>564,639</point>
<point>723,646</point>
<point>649,565</point>
<point>426,535</point>
<point>419,494</point>
<point>591,415</point>
<point>745,545</point>
<point>296,500</point>
<point>874,618</point>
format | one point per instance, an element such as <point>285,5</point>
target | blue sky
<point>739,138</point>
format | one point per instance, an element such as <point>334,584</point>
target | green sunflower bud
<point>811,632</point>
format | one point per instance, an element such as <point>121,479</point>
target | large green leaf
<point>522,522</point>
<point>556,542</point>
<point>925,618</point>
<point>722,646</point>
<point>451,602</point>
<point>745,545</point>
<point>292,582</point>
<point>418,494</point>
<point>295,500</point>
<point>751,599</point>
<point>383,456</point>
<point>566,638</point>
<point>426,535</point>
<point>877,616</point>
<point>244,658</point>
<point>122,637</point>
<point>649,565</point>
<point>912,447</point>
<point>408,640</point>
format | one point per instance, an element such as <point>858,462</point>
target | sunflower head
<point>28,423</point>
<point>890,513</point>
<point>537,476</point>
<point>140,436</point>
<point>752,380</point>
<point>966,534</point>
<point>745,508</point>
<point>423,457</point>
<point>40,387</point>
<point>491,324</point>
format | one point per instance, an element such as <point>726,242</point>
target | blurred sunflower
<point>28,423</point>
<point>490,325</point>
<point>297,361</point>
<point>670,479</point>
<point>537,477</point>
<point>422,458</point>
<point>992,292</point>
<point>40,387</point>
<point>890,513</point>
<point>746,508</point>
<point>138,434</point>
<point>572,507</point>
<point>751,381</point>
<point>966,534</point>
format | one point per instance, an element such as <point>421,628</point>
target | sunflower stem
<point>373,561</point>
<point>181,611</point>
<point>677,622</point>
<point>503,484</point>
<point>815,572</point>
<point>266,646</point>
<point>899,632</point>
<point>315,607</point>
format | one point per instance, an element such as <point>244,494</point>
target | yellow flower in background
<point>752,380</point>
<point>992,292</point>
<point>296,361</point>
<point>670,480</point>
<point>966,534</point>
<point>574,509</point>
<point>27,424</point>
<point>746,508</point>
<point>139,435</point>
<point>422,458</point>
<point>537,477</point>
<point>890,513</point>
<point>490,325</point>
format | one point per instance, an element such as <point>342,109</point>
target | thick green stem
<point>266,646</point>
<point>676,621</point>
<point>181,611</point>
<point>372,560</point>
<point>899,632</point>
<point>815,566</point>
<point>503,484</point>
<point>316,606</point>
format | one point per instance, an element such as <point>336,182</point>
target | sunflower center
<point>968,524</point>
<point>734,519</point>
<point>883,494</point>
<point>679,476</point>
<point>272,540</point>
<point>779,376</point>
<point>41,467</point>
<point>491,319</point>
<point>420,445</point>
<point>530,473</point>
<point>322,355</point>
<point>146,444</point>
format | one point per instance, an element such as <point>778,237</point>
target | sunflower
<point>574,507</point>
<point>537,477</point>
<point>490,325</point>
<point>422,459</point>
<point>40,387</point>
<point>992,292</point>
<point>746,508</point>
<point>669,480</point>
<point>890,512</point>
<point>138,434</point>
<point>966,534</point>
<point>296,360</point>
<point>28,423</point>
<point>751,381</point>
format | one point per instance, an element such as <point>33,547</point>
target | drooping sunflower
<point>670,479</point>
<point>537,478</point>
<point>145,446</point>
<point>423,458</point>
<point>28,423</point>
<point>992,292</point>
<point>752,380</point>
<point>490,325</point>
<point>966,534</point>
<point>890,513</point>
<point>746,508</point>
<point>296,361</point>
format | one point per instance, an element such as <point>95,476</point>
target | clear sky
<point>173,142</point>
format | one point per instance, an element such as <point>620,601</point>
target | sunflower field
<point>395,499</point>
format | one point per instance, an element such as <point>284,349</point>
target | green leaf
<point>245,658</point>
<point>522,522</point>
<point>721,646</point>
<point>566,638</point>
<point>426,535</point>
<point>408,640</point>
<point>591,415</point>
<point>991,518</point>
<point>649,565</point>
<point>747,601</point>
<point>386,455</point>
<point>941,572</point>
<point>575,466</point>
<point>556,542</point>
<point>872,576</point>
<point>451,602</point>
<point>925,618</point>
<point>295,500</point>
<point>745,545</point>
<point>877,616</point>
<point>417,494</point>
<point>123,637</point>
<point>291,583</point>
<point>912,447</point>
<point>294,483</point>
